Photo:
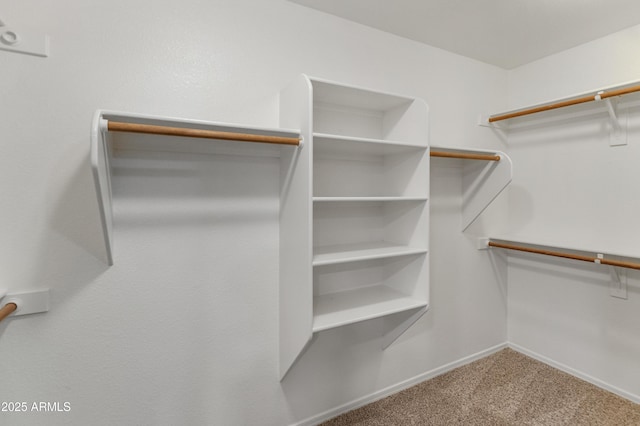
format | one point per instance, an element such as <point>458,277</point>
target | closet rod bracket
<point>483,121</point>
<point>617,133</point>
<point>482,243</point>
<point>618,285</point>
<point>29,302</point>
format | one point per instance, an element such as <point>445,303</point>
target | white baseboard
<point>587,378</point>
<point>375,396</point>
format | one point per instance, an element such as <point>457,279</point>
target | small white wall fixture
<point>26,303</point>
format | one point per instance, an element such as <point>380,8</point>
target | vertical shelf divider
<point>296,290</point>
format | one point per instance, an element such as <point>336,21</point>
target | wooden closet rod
<point>569,102</point>
<point>486,157</point>
<point>7,310</point>
<point>591,259</point>
<point>117,126</point>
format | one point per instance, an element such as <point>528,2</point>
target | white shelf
<point>329,92</point>
<point>343,253</point>
<point>331,144</point>
<point>366,199</point>
<point>398,222</point>
<point>348,307</point>
<point>368,167</point>
<point>484,120</point>
<point>104,144</point>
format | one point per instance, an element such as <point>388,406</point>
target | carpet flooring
<point>506,388</point>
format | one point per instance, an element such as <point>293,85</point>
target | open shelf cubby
<point>368,229</point>
<point>347,293</point>
<point>350,111</point>
<point>358,167</point>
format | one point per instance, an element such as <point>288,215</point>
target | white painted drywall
<point>570,186</point>
<point>183,328</point>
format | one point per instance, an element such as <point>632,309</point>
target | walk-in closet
<point>306,212</point>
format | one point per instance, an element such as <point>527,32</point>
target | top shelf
<point>354,97</point>
<point>325,144</point>
<point>591,96</point>
<point>350,111</point>
<point>169,134</point>
<point>153,133</point>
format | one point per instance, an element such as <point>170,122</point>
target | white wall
<point>570,186</point>
<point>183,328</point>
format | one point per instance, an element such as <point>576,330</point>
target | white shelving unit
<point>355,213</point>
<point>482,181</point>
<point>105,143</point>
<point>340,308</point>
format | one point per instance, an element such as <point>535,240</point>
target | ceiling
<point>505,33</point>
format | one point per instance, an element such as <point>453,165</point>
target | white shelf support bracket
<point>30,302</point>
<point>618,286</point>
<point>617,122</point>
<point>481,184</point>
<point>397,330</point>
<point>611,109</point>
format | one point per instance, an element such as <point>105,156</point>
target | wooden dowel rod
<point>590,259</point>
<point>486,157</point>
<point>7,310</point>
<point>620,263</point>
<point>619,92</point>
<point>569,102</point>
<point>542,251</point>
<point>549,107</point>
<point>117,126</point>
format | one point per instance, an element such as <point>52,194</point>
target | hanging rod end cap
<point>482,243</point>
<point>103,124</point>
<point>16,301</point>
<point>301,143</point>
<point>483,120</point>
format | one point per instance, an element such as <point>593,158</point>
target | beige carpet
<point>506,388</point>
